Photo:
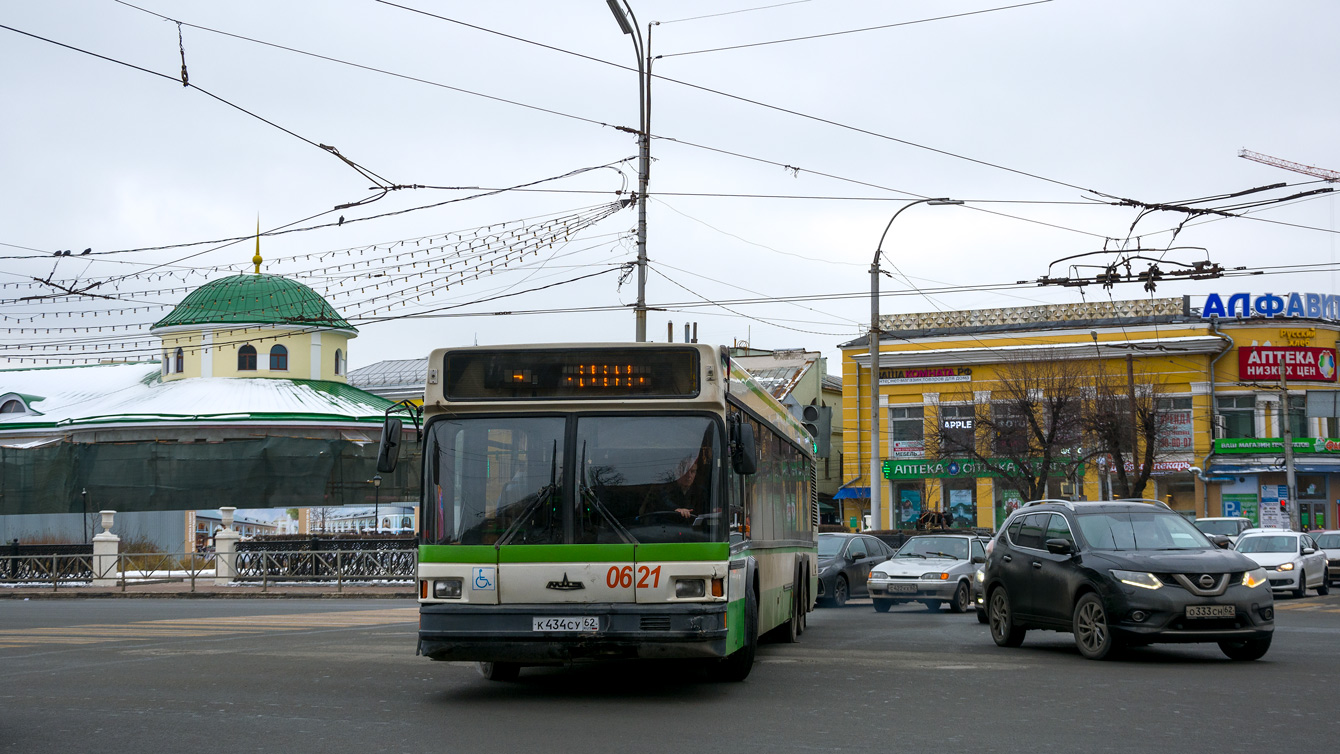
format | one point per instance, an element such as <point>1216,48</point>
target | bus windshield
<point>641,479</point>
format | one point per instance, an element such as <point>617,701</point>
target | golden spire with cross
<point>256,260</point>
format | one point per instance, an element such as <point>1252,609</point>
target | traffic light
<point>818,421</point>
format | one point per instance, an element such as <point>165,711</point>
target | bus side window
<point>737,500</point>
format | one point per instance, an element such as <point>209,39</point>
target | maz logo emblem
<point>565,585</point>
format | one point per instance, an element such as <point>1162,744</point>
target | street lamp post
<point>622,15</point>
<point>84,495</point>
<point>376,503</point>
<point>876,519</point>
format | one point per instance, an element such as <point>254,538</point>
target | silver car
<point>1329,542</point>
<point>931,569</point>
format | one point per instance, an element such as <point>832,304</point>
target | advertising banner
<point>1299,363</point>
<point>1274,498</point>
<point>1175,431</point>
<point>1273,445</point>
<point>902,376</point>
<point>907,449</point>
<point>1241,505</point>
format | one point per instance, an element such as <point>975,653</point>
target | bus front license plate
<point>585,623</point>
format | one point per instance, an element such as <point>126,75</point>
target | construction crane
<point>1330,176</point>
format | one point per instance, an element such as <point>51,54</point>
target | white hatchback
<point>1292,560</point>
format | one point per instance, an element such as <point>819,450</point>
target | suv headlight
<point>1284,567</point>
<point>1138,578</point>
<point>1254,578</point>
<point>981,576</point>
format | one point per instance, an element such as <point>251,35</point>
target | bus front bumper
<point>508,633</point>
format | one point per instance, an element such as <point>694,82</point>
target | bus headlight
<point>690,588</point>
<point>447,589</point>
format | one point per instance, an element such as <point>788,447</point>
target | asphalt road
<point>341,676</point>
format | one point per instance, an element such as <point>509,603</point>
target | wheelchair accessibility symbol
<point>483,579</point>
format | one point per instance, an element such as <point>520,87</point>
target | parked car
<point>845,561</point>
<point>1329,542</point>
<point>1225,526</point>
<point>1293,559</point>
<point>1123,573</point>
<point>931,569</point>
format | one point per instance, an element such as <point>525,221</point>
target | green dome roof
<point>254,299</point>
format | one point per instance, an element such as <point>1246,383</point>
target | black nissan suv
<point>1122,573</point>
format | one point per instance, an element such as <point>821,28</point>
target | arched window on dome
<point>279,358</point>
<point>339,361</point>
<point>179,361</point>
<point>167,365</point>
<point>246,359</point>
<point>13,406</point>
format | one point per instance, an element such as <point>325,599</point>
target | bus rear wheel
<point>499,671</point>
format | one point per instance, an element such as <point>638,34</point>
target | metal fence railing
<point>266,567</point>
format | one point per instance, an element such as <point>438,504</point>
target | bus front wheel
<point>736,665</point>
<point>499,671</point>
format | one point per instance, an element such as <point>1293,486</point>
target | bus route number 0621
<point>622,576</point>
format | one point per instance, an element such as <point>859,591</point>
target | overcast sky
<point>1035,115</point>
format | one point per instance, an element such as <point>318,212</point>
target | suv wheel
<point>1003,630</point>
<point>1252,649</point>
<point>1093,636</point>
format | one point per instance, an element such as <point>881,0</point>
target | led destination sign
<point>579,373</point>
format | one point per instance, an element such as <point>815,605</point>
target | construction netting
<point>265,472</point>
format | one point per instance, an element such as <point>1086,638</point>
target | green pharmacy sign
<point>960,468</point>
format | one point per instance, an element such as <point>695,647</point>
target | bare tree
<point>1029,429</point>
<point>319,518</point>
<point>1108,424</point>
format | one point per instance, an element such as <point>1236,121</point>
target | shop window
<point>279,359</point>
<point>1175,424</point>
<point>246,359</point>
<point>1311,487</point>
<point>1237,416</point>
<point>1298,423</point>
<point>1011,434</point>
<point>958,432</point>
<point>907,432</point>
<point>179,360</point>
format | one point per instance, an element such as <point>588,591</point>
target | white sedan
<point>1329,542</point>
<point>930,569</point>
<point>1292,560</point>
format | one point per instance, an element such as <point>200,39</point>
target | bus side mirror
<point>744,457</point>
<point>388,452</point>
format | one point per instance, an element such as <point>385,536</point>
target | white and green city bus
<point>608,501</point>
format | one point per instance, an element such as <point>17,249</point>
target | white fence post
<point>225,549</point>
<point>106,548</point>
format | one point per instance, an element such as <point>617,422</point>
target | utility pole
<point>1135,429</point>
<point>1286,432</point>
<point>622,16</point>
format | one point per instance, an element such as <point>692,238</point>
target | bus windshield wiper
<point>589,496</point>
<point>542,497</point>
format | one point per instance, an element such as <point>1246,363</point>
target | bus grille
<point>655,623</point>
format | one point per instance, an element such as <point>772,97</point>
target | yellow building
<point>1215,378</point>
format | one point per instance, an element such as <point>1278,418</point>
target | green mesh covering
<point>269,472</point>
<point>254,299</point>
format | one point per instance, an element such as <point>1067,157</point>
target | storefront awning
<point>850,492</point>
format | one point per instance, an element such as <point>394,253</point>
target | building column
<point>206,354</point>
<point>106,553</point>
<point>225,549</point>
<point>316,356</point>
